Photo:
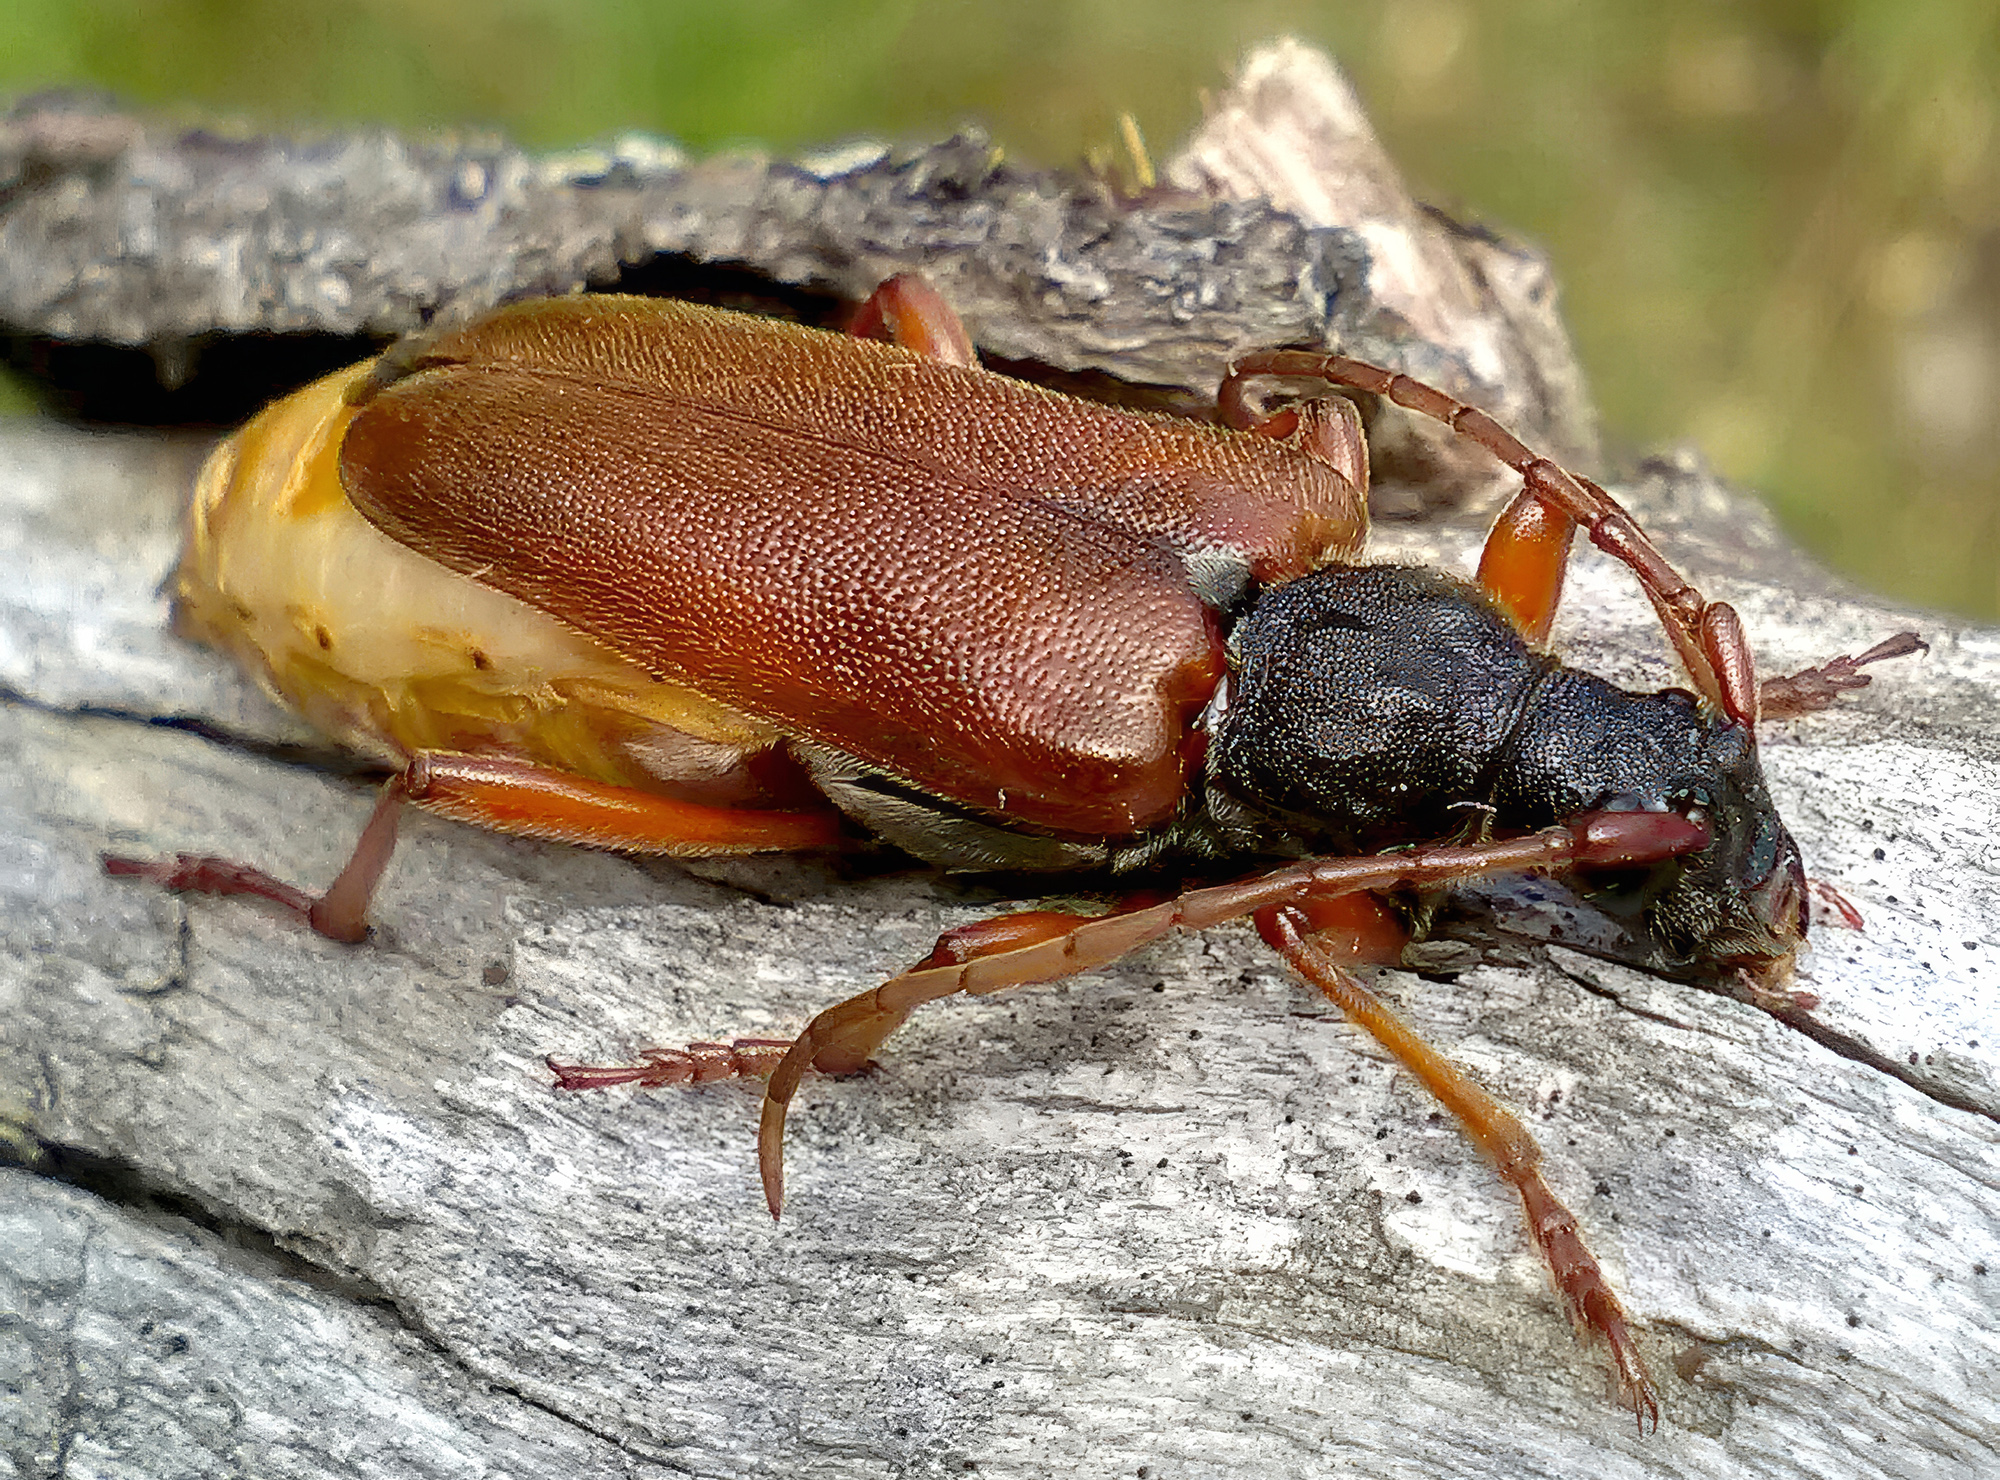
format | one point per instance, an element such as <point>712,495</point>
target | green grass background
<point>1777,224</point>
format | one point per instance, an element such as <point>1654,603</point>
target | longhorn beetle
<point>649,576</point>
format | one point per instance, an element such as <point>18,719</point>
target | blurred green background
<point>1777,224</point>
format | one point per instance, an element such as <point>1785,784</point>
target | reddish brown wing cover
<point>945,573</point>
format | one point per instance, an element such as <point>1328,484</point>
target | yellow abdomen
<point>390,653</point>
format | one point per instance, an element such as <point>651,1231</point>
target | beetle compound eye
<point>1760,858</point>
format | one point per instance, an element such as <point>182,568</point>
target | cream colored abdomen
<point>389,653</point>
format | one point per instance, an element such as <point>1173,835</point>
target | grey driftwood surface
<point>288,1208</point>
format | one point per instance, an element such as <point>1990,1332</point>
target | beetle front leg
<point>1527,553</point>
<point>505,796</point>
<point>1523,572</point>
<point>1817,688</point>
<point>1524,560</point>
<point>1292,932</point>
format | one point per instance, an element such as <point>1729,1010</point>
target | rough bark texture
<point>290,1208</point>
<point>120,231</point>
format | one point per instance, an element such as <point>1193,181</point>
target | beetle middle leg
<point>1039,947</point>
<point>908,311</point>
<point>1042,946</point>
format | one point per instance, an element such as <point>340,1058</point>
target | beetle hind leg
<point>507,796</point>
<point>1497,1132</point>
<point>341,913</point>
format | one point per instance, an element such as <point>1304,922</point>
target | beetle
<point>651,576</point>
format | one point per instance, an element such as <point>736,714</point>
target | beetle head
<point>1739,903</point>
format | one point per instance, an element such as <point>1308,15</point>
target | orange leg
<point>1036,946</point>
<point>1042,946</point>
<point>907,310</point>
<point>1327,430</point>
<point>1523,563</point>
<point>1298,935</point>
<point>506,796</point>
<point>698,1063</point>
<point>1020,950</point>
<point>1705,634</point>
<point>1816,688</point>
<point>844,1044</point>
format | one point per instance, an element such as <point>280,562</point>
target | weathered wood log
<point>291,1207</point>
